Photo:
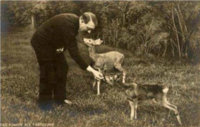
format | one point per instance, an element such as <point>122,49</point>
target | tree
<point>159,28</point>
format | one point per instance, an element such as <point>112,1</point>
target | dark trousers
<point>53,75</point>
<point>53,71</point>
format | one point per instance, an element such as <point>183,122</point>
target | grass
<point>19,91</point>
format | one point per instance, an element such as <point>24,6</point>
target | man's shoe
<point>68,102</point>
<point>63,102</point>
<point>45,105</point>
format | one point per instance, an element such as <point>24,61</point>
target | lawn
<point>19,91</point>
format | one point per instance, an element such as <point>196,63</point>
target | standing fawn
<point>158,93</point>
<point>105,62</point>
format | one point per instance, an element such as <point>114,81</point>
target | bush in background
<point>164,29</point>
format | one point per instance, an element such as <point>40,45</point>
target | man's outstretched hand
<point>98,75</point>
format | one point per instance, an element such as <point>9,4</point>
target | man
<point>50,41</point>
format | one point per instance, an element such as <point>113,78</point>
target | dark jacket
<point>59,32</point>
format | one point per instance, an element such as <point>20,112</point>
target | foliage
<point>159,28</point>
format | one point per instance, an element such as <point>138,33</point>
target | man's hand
<point>98,75</point>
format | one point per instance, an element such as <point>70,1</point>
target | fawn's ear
<point>98,42</point>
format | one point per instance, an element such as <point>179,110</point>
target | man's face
<point>87,22</point>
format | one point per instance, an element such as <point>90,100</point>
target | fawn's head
<point>112,78</point>
<point>131,89</point>
<point>91,42</point>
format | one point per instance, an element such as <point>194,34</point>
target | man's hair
<point>86,17</point>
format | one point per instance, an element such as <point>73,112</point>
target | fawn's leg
<point>98,87</point>
<point>94,83</point>
<point>132,109</point>
<point>124,77</point>
<point>174,106</point>
<point>169,106</point>
<point>121,69</point>
<point>136,106</point>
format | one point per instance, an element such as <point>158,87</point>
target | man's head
<point>87,22</point>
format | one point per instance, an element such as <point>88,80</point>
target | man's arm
<point>75,54</point>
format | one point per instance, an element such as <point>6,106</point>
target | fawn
<point>105,62</point>
<point>158,93</point>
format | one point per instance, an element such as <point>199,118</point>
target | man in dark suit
<point>49,41</point>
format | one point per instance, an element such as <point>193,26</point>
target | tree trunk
<point>172,50</point>
<point>184,32</point>
<point>176,34</point>
<point>181,32</point>
<point>180,25</point>
<point>181,16</point>
<point>165,50</point>
<point>124,19</point>
<point>33,23</point>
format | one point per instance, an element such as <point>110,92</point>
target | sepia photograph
<point>100,63</point>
